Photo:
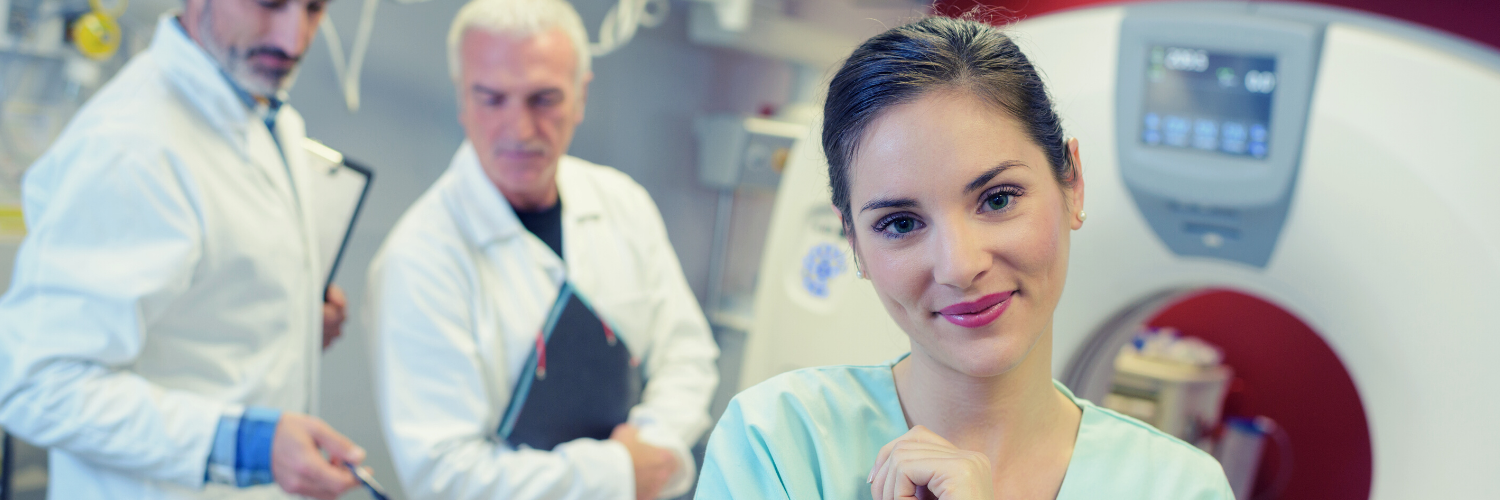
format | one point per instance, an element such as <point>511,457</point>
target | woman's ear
<point>1075,191</point>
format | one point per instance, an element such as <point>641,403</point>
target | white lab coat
<point>460,290</point>
<point>169,275</point>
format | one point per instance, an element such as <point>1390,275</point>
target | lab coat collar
<point>201,82</point>
<point>576,189</point>
<point>488,217</point>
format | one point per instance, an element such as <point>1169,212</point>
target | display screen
<point>1208,101</point>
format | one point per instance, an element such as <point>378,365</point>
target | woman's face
<point>962,228</point>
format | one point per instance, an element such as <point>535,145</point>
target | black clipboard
<point>339,189</point>
<point>591,386</point>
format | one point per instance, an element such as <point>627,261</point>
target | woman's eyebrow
<point>889,203</point>
<point>985,177</point>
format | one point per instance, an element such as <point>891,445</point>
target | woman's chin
<point>982,357</point>
<point>987,366</point>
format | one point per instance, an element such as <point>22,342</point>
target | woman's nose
<point>960,258</point>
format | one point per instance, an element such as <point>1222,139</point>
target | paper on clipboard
<point>339,188</point>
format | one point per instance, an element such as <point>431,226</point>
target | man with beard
<point>535,337</point>
<point>163,330</point>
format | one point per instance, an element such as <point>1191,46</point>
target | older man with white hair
<point>535,335</point>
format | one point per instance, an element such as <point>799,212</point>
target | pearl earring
<point>859,275</point>
<point>1082,216</point>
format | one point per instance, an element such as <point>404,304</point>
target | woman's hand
<point>922,465</point>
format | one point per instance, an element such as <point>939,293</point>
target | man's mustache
<point>273,52</point>
<point>529,147</point>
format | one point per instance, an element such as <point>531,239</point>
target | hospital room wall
<point>639,119</point>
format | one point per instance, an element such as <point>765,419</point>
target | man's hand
<point>653,465</point>
<point>297,460</point>
<point>922,465</point>
<point>333,315</point>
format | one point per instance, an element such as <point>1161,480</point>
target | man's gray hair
<point>523,18</point>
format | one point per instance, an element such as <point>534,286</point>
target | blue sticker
<point>822,263</point>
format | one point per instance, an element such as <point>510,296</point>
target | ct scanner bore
<point>1283,370</point>
<point>1367,218</point>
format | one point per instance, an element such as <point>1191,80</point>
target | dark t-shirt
<point>546,225</point>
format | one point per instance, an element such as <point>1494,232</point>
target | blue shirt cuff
<point>241,453</point>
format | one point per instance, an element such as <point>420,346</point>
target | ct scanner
<point>1342,180</point>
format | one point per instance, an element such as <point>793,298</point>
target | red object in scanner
<point>1285,371</point>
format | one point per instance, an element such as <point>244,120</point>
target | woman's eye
<point>1000,198</point>
<point>998,201</point>
<point>898,225</point>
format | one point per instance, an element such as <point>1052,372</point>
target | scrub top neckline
<point>899,416</point>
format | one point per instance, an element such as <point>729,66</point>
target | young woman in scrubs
<point>958,193</point>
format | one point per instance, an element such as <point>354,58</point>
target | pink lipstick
<point>979,312</point>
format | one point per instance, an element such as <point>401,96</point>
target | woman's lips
<point>979,312</point>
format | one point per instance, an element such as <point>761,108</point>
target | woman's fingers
<point>947,477</point>
<point>918,434</point>
<point>929,468</point>
<point>885,451</point>
<point>884,478</point>
<point>909,470</point>
<point>889,480</point>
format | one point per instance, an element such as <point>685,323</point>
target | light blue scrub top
<point>814,433</point>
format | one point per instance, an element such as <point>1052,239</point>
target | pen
<point>368,480</point>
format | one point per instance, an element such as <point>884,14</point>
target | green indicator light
<point>1226,77</point>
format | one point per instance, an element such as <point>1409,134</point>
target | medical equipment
<point>1311,182</point>
<point>1239,450</point>
<point>742,158</point>
<point>348,70</point>
<point>96,33</point>
<point>52,56</point>
<point>1174,383</point>
<point>622,21</point>
<point>620,25</point>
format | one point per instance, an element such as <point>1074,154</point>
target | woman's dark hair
<point>902,64</point>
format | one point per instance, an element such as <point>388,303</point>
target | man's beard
<point>261,82</point>
<point>235,61</point>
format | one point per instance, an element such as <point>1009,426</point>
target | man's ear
<point>583,93</point>
<point>192,13</point>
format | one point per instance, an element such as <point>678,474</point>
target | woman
<point>958,192</point>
